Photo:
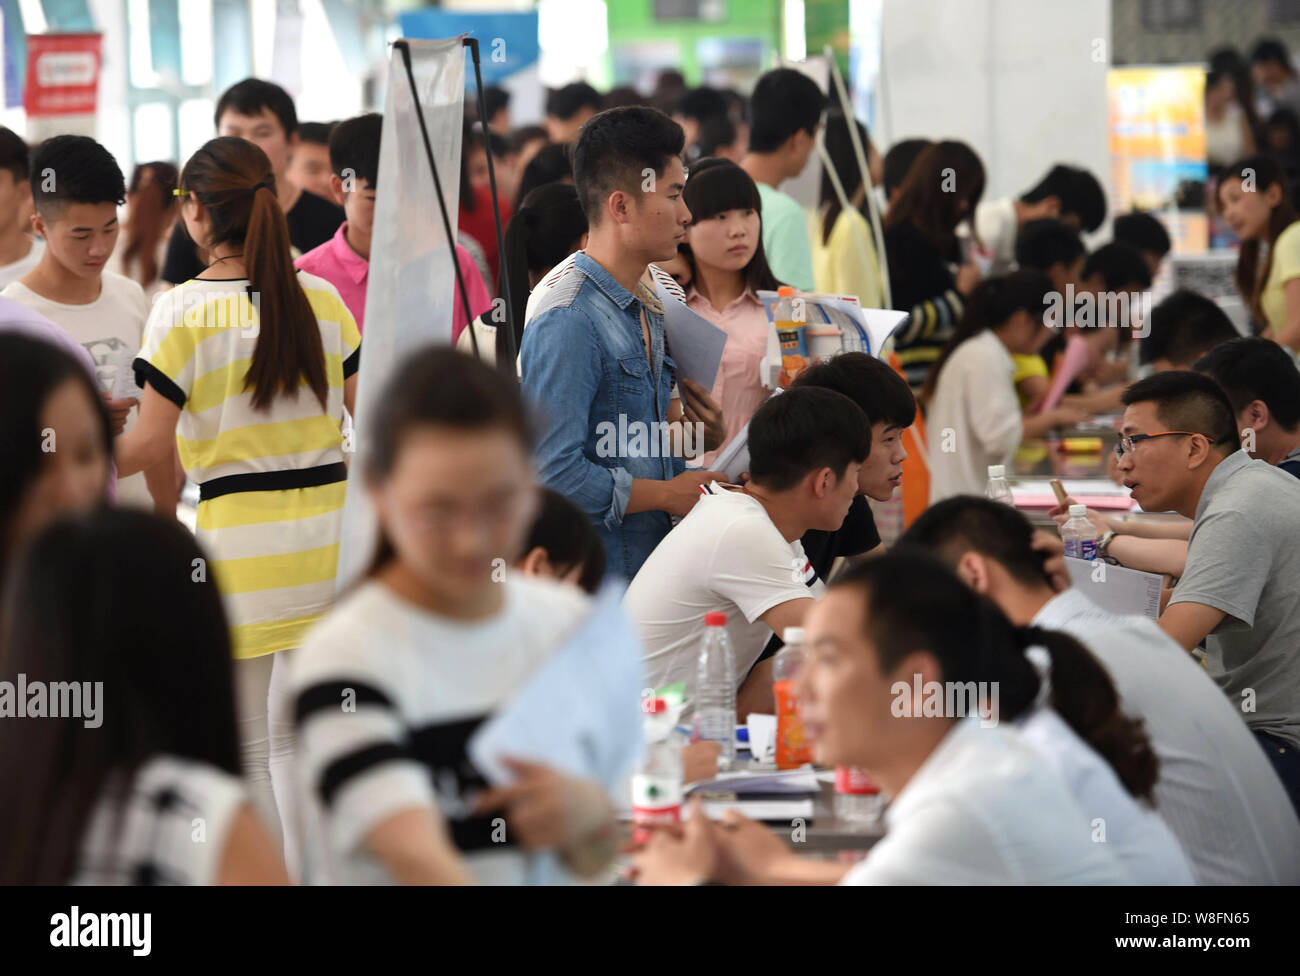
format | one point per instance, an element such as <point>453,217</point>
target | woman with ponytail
<point>1255,199</point>
<point>548,226</point>
<point>1003,749</point>
<point>973,411</point>
<point>248,368</point>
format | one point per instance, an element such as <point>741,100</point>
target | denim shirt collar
<point>605,281</point>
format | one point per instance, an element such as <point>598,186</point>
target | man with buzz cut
<point>1237,594</point>
<point>739,551</point>
<point>593,358</point>
<point>76,189</point>
<point>1217,791</point>
<point>263,113</point>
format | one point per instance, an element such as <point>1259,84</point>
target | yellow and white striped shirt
<point>271,481</point>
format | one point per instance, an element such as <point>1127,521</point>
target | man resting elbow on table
<point>738,552</point>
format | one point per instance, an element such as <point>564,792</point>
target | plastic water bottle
<point>792,746</point>
<point>715,690</point>
<point>1079,534</point>
<point>657,784</point>
<point>858,800</point>
<point>997,489</point>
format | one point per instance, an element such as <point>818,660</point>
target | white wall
<point>1016,79</point>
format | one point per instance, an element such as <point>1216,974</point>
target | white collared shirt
<point>1217,790</point>
<point>986,808</point>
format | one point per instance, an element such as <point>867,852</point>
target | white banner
<point>411,284</point>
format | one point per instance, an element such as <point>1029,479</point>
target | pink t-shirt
<point>738,387</point>
<point>346,270</point>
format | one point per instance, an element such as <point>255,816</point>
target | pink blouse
<point>738,386</point>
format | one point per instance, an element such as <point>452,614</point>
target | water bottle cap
<point>997,471</point>
<point>1078,511</point>
<point>653,706</point>
<point>792,635</point>
<point>715,619</point>
<point>785,291</point>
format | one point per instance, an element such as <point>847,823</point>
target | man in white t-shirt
<point>1217,791</point>
<point>76,188</point>
<point>738,552</point>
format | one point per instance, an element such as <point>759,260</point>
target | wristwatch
<point>1103,547</point>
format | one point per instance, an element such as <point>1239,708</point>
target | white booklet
<point>1117,589</point>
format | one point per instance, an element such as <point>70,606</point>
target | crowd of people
<point>219,346</point>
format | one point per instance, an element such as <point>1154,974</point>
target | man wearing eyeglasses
<point>1179,451</point>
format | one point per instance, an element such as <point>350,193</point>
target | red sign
<point>62,74</point>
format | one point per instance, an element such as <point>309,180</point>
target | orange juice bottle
<point>790,332</point>
<point>792,746</point>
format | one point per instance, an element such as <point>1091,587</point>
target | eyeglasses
<point>180,191</point>
<point>1127,442</point>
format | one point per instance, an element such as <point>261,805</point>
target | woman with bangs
<point>724,245</point>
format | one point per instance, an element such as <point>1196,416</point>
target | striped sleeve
<point>166,360</point>
<point>352,740</point>
<point>932,320</point>
<point>330,307</point>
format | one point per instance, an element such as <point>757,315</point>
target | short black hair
<point>784,101</point>
<point>1119,264</point>
<point>315,132</point>
<point>1144,231</point>
<point>1253,368</point>
<point>702,103</point>
<point>1272,49</point>
<point>495,98</point>
<point>354,145</point>
<point>1043,244</point>
<point>569,538</point>
<point>1184,327</point>
<point>15,156</point>
<point>899,160</point>
<point>615,147</point>
<point>565,103</point>
<point>81,171</point>
<point>1189,401</point>
<point>1077,189</point>
<point>871,383</point>
<point>966,523</point>
<point>250,96</point>
<point>803,430</point>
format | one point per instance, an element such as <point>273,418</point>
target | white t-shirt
<point>996,223</point>
<point>974,419</point>
<point>985,808</point>
<point>725,556</point>
<point>1134,831</point>
<point>12,272</point>
<point>111,328</point>
<point>421,685</point>
<point>1217,790</point>
<point>145,834</point>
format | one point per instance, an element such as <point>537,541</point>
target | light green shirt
<point>785,238</point>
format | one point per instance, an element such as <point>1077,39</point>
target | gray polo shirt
<point>1244,558</point>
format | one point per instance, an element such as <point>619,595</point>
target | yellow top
<point>847,264</point>
<point>1026,367</point>
<point>1286,265</point>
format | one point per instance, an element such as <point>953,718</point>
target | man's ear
<point>336,189</point>
<point>1255,415</point>
<point>618,206</point>
<point>535,562</point>
<point>39,227</point>
<point>1198,450</point>
<point>973,569</point>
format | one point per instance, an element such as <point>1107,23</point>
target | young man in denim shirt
<point>593,358</point>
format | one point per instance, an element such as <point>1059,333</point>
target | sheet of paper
<point>733,460</point>
<point>1117,589</point>
<point>770,811</point>
<point>798,782</point>
<point>580,713</point>
<point>694,342</point>
<point>1071,364</point>
<point>124,386</point>
<point>861,329</point>
<point>762,737</point>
